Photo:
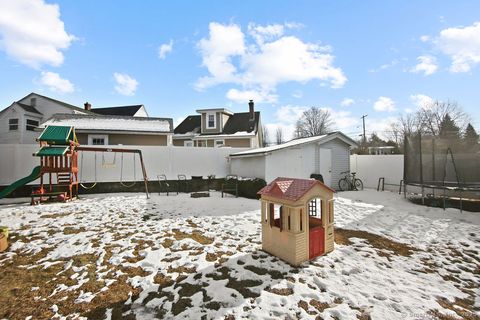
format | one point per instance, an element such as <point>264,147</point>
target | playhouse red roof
<point>289,188</point>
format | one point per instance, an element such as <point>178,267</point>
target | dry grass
<point>71,230</point>
<point>196,235</point>
<point>387,246</point>
<point>280,291</point>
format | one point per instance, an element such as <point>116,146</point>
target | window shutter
<point>281,218</point>
<point>271,212</point>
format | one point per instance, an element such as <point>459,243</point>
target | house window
<point>12,124</point>
<point>211,121</point>
<point>32,124</point>
<point>98,140</point>
<point>219,143</point>
<point>188,143</point>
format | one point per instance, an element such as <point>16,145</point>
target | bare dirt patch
<point>387,246</point>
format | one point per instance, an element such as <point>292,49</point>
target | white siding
<point>47,107</point>
<point>340,159</point>
<point>296,162</point>
<point>7,136</point>
<point>251,167</point>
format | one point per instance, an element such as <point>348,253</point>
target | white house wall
<point>7,136</point>
<point>47,107</point>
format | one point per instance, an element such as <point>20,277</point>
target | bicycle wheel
<point>358,185</point>
<point>343,184</point>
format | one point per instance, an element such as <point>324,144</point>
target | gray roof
<point>29,108</point>
<point>296,142</point>
<point>118,111</point>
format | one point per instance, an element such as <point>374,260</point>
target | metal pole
<point>364,136</point>
<point>421,166</point>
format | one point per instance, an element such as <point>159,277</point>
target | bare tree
<point>428,120</point>
<point>431,116</point>
<point>279,135</point>
<point>265,136</point>
<point>313,122</point>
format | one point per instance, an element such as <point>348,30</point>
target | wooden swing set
<point>58,154</point>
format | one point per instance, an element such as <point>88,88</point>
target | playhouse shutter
<point>271,209</point>
<point>281,218</point>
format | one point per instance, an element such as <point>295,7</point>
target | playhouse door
<point>317,242</point>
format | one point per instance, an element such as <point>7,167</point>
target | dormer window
<point>211,121</point>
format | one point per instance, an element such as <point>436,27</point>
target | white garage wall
<point>371,167</point>
<point>16,161</point>
<point>340,159</point>
<point>249,167</point>
<point>292,162</point>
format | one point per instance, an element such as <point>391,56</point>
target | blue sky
<point>381,58</point>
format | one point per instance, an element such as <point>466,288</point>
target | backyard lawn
<point>122,256</point>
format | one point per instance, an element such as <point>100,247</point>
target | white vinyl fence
<point>16,161</point>
<point>370,168</point>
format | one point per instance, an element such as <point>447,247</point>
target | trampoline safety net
<point>442,162</point>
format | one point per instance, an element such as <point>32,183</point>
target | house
<point>328,155</point>
<point>116,130</point>
<point>297,219</point>
<point>124,125</point>
<point>218,127</point>
<point>19,121</point>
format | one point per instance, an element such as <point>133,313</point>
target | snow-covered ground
<point>105,256</point>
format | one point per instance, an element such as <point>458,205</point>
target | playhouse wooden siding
<point>293,245</point>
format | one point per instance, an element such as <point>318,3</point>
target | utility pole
<point>364,136</point>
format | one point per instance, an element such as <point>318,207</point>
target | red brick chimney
<point>251,109</point>
<point>88,106</point>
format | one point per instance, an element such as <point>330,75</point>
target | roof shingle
<point>290,188</point>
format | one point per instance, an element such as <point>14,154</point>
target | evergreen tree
<point>448,128</point>
<point>470,139</point>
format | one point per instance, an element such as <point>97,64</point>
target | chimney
<point>251,110</point>
<point>33,102</point>
<point>88,106</point>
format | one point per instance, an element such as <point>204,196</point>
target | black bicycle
<point>349,182</point>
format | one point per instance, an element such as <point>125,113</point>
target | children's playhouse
<point>297,219</point>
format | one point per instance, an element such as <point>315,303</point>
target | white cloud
<point>33,33</point>
<point>426,64</point>
<point>241,96</point>
<point>462,45</point>
<point>224,42</point>
<point>289,114</point>
<point>381,126</point>
<point>385,66</point>
<point>55,83</point>
<point>347,102</point>
<point>260,65</point>
<point>164,49</point>
<point>297,94</point>
<point>424,38</point>
<point>421,100</point>
<point>268,32</point>
<point>384,104</point>
<point>125,84</point>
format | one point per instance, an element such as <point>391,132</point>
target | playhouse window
<point>289,225</point>
<point>275,215</point>
<point>315,208</point>
<point>265,209</point>
<point>12,124</point>
<point>31,125</point>
<point>301,220</point>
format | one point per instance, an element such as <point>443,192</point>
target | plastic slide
<point>17,184</point>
